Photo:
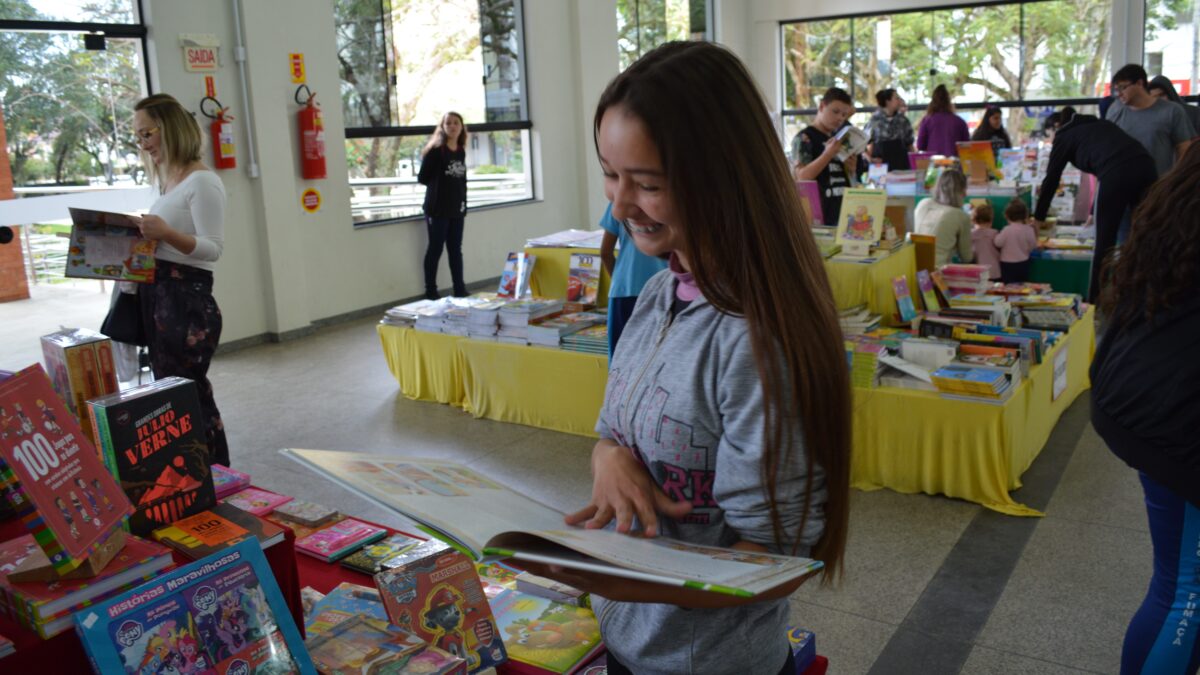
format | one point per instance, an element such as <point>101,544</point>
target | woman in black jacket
<point>444,173</point>
<point>1146,407</point>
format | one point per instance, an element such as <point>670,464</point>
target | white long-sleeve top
<point>197,207</point>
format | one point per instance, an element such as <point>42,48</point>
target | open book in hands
<point>487,520</point>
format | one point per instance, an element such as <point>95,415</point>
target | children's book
<point>487,519</point>
<point>306,513</point>
<point>433,591</point>
<point>514,281</point>
<point>39,601</point>
<point>810,200</point>
<point>81,367</point>
<point>216,529</point>
<point>370,646</point>
<point>223,614</point>
<point>374,558</point>
<point>227,481</point>
<point>544,637</point>
<point>340,539</point>
<point>804,647</point>
<point>153,440</point>
<point>583,279</point>
<point>107,245</point>
<point>346,600</point>
<point>904,301</point>
<point>258,501</point>
<point>978,160</point>
<point>928,292</point>
<point>51,475</point>
<point>854,142</point>
<point>860,222</point>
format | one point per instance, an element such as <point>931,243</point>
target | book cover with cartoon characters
<point>223,614</point>
<point>541,635</point>
<point>153,440</point>
<point>860,221</point>
<point>51,475</point>
<point>106,245</point>
<point>434,592</point>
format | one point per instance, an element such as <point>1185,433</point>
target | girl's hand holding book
<point>622,488</point>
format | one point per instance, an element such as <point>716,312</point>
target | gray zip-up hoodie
<point>686,396</point>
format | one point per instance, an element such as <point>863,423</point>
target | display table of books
<point>919,441</point>
<point>870,283</point>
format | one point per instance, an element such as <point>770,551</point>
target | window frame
<point>426,130</point>
<point>1021,101</point>
<point>1190,98</point>
<point>136,31</point>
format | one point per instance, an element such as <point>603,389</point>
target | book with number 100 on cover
<point>487,520</point>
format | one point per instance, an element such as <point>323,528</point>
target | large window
<point>70,74</point>
<point>643,25</point>
<point>1172,42</point>
<point>1022,56</point>
<point>402,66</point>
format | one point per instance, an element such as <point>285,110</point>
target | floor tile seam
<point>840,610</point>
<point>1038,659</point>
<point>1109,526</point>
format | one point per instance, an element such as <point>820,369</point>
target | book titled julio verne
<point>152,439</point>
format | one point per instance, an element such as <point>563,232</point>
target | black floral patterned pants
<point>183,323</point>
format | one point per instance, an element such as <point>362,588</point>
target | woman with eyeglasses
<point>180,315</point>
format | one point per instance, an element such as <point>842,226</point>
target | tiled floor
<point>1064,588</point>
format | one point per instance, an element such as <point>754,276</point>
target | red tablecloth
<point>64,653</point>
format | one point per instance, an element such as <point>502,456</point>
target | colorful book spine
<point>340,539</point>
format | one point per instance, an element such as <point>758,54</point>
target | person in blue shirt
<point>627,274</point>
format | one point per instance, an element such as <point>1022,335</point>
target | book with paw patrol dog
<point>487,521</point>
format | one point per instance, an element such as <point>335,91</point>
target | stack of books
<point>484,318</point>
<point>858,320</point>
<point>516,316</point>
<point>591,340</point>
<point>211,531</point>
<point>454,321</point>
<point>863,358</point>
<point>549,333</point>
<point>966,279</point>
<point>406,315</point>
<point>430,321</point>
<point>227,481</point>
<point>993,309</point>
<point>1051,311</point>
<point>826,238</point>
<point>972,383</point>
<point>46,606</point>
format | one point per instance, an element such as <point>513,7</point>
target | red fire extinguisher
<point>312,137</point>
<point>221,129</point>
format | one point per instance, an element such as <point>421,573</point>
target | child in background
<point>983,240</point>
<point>1016,241</point>
<point>627,274</point>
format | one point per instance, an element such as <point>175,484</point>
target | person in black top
<point>1146,406</point>
<point>991,128</point>
<point>1122,165</point>
<point>815,152</point>
<point>444,173</point>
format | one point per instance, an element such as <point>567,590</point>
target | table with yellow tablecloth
<point>917,441</point>
<point>856,283</point>
<point>905,440</point>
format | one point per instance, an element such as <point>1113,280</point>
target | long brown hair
<point>750,249</point>
<point>940,101</point>
<point>1160,263</point>
<point>439,137</point>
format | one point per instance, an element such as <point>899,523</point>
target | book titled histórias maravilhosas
<point>222,614</point>
<point>50,474</point>
<point>153,440</point>
<point>106,245</point>
<point>488,521</point>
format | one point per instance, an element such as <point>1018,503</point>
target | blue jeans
<point>1161,639</point>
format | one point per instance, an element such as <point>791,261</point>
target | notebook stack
<point>406,315</point>
<point>516,316</point>
<point>483,319</point>
<point>591,340</point>
<point>549,333</point>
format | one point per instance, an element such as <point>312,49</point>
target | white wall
<point>284,269</point>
